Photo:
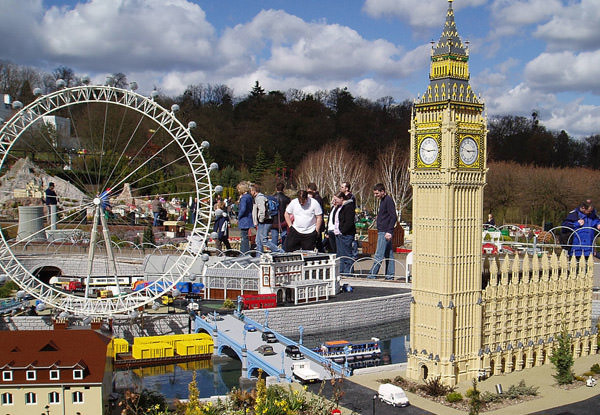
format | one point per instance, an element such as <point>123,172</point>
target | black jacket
<point>283,201</point>
<point>346,218</point>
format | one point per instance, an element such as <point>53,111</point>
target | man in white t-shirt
<point>303,216</point>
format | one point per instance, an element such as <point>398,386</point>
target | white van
<point>392,395</point>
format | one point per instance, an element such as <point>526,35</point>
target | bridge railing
<point>225,339</point>
<point>337,368</point>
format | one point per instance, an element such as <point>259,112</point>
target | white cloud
<point>574,28</point>
<point>520,99</point>
<point>128,35</point>
<point>509,16</point>
<point>417,13</point>
<point>574,117</point>
<point>565,71</point>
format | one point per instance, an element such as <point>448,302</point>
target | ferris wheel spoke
<point>77,137</point>
<point>45,216</point>
<point>139,189</point>
<point>102,148</point>
<point>124,149</point>
<point>124,180</point>
<point>162,167</point>
<point>140,150</point>
<point>43,230</point>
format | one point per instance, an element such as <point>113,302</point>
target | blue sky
<point>526,55</point>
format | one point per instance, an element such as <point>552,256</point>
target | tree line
<point>270,136</point>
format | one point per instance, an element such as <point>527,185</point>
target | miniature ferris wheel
<point>118,139</point>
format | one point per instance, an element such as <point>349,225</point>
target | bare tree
<point>120,80</point>
<point>333,164</point>
<point>392,169</point>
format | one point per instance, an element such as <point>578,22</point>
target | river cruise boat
<point>337,350</point>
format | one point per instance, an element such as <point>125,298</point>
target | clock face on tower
<point>428,150</point>
<point>468,151</point>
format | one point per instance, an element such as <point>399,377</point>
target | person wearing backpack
<point>279,225</point>
<point>262,216</point>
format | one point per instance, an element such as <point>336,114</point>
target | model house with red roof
<point>54,371</point>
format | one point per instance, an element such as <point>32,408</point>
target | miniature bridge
<point>229,333</point>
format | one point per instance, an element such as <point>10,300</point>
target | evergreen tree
<point>261,164</point>
<point>257,91</point>
<point>277,163</point>
<point>26,95</point>
<point>562,358</point>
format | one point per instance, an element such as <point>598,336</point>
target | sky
<point>525,55</point>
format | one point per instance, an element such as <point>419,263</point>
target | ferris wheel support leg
<point>93,239</point>
<point>109,251</point>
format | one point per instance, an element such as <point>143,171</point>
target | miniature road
<point>359,399</point>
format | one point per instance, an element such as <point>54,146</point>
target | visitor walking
<point>221,227</point>
<point>156,210</point>
<point>386,221</point>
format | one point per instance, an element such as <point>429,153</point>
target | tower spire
<point>449,74</point>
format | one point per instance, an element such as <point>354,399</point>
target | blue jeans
<point>156,219</point>
<point>262,238</point>
<point>244,241</point>
<point>275,235</point>
<point>384,252</point>
<point>343,244</point>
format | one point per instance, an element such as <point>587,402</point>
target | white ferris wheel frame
<point>106,307</point>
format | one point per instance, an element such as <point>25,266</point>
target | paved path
<point>553,400</point>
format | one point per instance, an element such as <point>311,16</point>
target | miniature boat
<point>338,350</point>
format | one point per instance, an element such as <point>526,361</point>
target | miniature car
<point>265,350</point>
<point>269,337</point>
<point>249,327</point>
<point>294,352</point>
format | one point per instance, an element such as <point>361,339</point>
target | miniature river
<point>219,377</point>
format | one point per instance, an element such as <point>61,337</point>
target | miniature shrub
<point>516,391</point>
<point>384,380</point>
<point>580,378</point>
<point>228,304</point>
<point>588,373</point>
<point>595,368</point>
<point>454,397</point>
<point>489,397</point>
<point>435,387</point>
<point>399,380</point>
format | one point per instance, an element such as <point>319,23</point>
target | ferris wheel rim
<point>27,116</point>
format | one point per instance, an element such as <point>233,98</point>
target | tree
<point>562,357</point>
<point>66,74</point>
<point>120,80</point>
<point>392,169</point>
<point>257,91</point>
<point>331,165</point>
<point>474,399</point>
<point>145,402</point>
<point>261,164</point>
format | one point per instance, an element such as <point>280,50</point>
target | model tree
<point>562,358</point>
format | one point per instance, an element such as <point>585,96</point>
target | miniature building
<point>296,277</point>
<point>464,321</point>
<point>52,368</point>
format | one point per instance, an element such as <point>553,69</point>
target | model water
<point>219,377</point>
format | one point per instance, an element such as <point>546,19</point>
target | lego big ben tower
<point>448,174</point>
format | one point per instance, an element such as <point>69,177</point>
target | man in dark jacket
<point>386,221</point>
<point>279,226</point>
<point>584,222</point>
<point>345,237</point>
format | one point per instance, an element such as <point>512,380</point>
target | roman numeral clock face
<point>468,151</point>
<point>428,150</point>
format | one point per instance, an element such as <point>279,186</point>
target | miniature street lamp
<point>374,399</point>
<point>301,330</point>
